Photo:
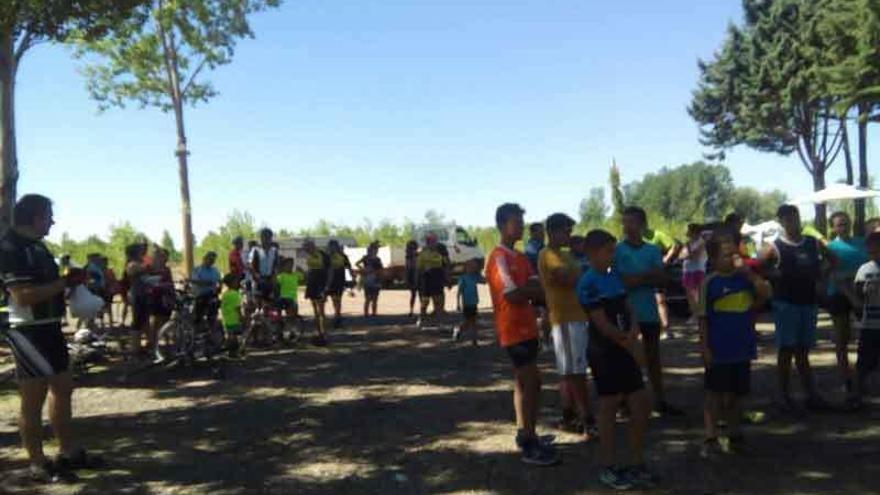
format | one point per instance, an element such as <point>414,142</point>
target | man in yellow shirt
<point>560,272</point>
<point>431,278</point>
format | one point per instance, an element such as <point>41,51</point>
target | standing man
<point>532,250</point>
<point>35,294</point>
<point>237,258</point>
<point>670,249</point>
<point>513,286</point>
<point>264,266</point>
<point>851,254</point>
<point>560,273</point>
<point>206,287</point>
<point>640,264</point>
<point>797,260</point>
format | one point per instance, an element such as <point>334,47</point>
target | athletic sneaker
<point>542,439</point>
<point>641,477</point>
<point>419,323</point>
<point>591,429</point>
<point>664,409</point>
<point>536,453</point>
<point>456,334</point>
<point>48,473</point>
<point>615,478</point>
<point>736,444</point>
<point>711,448</point>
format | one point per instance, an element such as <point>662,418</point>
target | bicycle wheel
<point>167,340</point>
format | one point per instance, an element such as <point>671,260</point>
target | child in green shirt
<point>288,288</point>
<point>230,309</point>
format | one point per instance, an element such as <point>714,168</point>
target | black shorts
<point>337,284</point>
<point>265,289</point>
<point>469,311</point>
<point>523,353</point>
<point>650,330</point>
<point>140,312</point>
<point>729,378</point>
<point>433,282</point>
<point>839,305</point>
<point>869,351</point>
<point>289,305</point>
<point>614,370</point>
<point>40,351</point>
<point>372,291</point>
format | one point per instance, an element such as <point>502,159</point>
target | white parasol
<point>836,192</point>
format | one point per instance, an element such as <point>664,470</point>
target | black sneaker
<point>48,474</point>
<point>615,478</point>
<point>664,409</point>
<point>521,440</point>
<point>737,444</point>
<point>711,448</point>
<point>591,429</point>
<point>641,477</point>
<point>536,453</point>
<point>80,460</point>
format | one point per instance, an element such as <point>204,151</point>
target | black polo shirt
<point>26,261</point>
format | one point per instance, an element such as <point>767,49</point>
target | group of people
<point>599,297</point>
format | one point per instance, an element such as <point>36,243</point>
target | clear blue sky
<point>386,108</point>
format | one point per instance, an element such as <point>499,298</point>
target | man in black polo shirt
<point>35,305</point>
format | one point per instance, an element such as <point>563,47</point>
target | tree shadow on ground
<point>394,410</point>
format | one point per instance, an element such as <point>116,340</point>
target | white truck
<point>458,243</point>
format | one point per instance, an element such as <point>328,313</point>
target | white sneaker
<point>419,324</point>
<point>456,333</point>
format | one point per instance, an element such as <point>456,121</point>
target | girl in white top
<point>694,258</point>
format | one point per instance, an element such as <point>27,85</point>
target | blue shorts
<point>795,324</point>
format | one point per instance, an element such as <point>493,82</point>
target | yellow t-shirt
<point>429,260</point>
<point>562,301</point>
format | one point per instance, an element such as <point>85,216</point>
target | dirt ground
<point>390,409</point>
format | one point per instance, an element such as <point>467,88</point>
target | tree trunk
<point>847,153</point>
<point>8,155</point>
<point>863,166</point>
<point>821,220</point>
<point>186,206</point>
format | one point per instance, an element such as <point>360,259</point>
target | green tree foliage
<point>23,24</point>
<point>113,246</point>
<point>756,206</point>
<point>159,59</point>
<point>688,193</point>
<point>167,244</point>
<point>618,202</point>
<point>238,224</point>
<point>764,88</point>
<point>593,210</point>
<point>854,74</point>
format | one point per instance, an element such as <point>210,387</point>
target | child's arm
<point>704,341</point>
<point>601,323</point>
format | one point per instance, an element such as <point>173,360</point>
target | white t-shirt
<point>697,263</point>
<point>868,277</point>
<point>267,259</point>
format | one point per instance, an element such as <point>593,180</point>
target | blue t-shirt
<point>596,290</point>
<point>467,286</point>
<point>638,260</point>
<point>532,250</point>
<point>851,255</point>
<point>206,274</point>
<point>726,304</point>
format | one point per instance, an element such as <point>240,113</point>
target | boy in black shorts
<point>615,355</point>
<point>729,298</point>
<point>867,297</point>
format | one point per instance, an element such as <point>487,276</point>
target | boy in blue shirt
<point>851,255</point>
<point>729,298</point>
<point>615,358</point>
<point>468,299</point>
<point>640,265</point>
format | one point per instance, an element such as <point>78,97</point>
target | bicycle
<point>270,320</point>
<point>183,341</point>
